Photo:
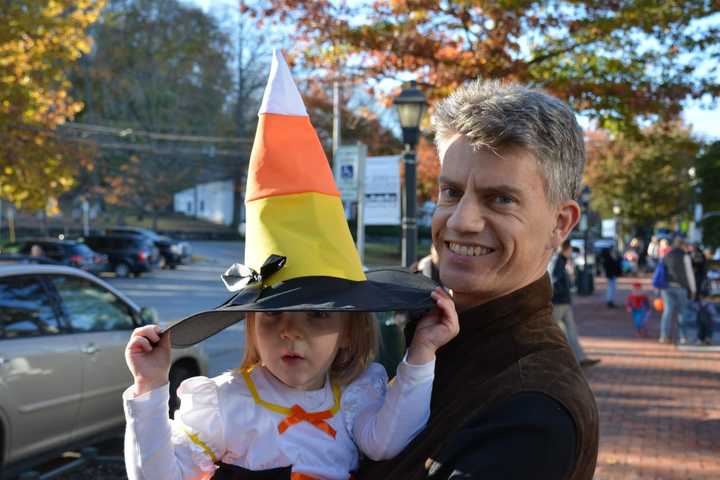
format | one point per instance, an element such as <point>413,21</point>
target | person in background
<point>638,304</point>
<point>562,303</point>
<point>706,315</point>
<point>664,247</point>
<point>613,269</point>
<point>653,253</point>
<point>699,266</point>
<point>681,287</point>
<point>428,265</point>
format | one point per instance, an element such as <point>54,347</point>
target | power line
<point>131,132</point>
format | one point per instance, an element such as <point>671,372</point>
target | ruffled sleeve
<point>383,419</point>
<point>198,426</point>
<point>366,392</point>
<point>184,448</point>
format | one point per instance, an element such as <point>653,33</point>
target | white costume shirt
<point>220,421</point>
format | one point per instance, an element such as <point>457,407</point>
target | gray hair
<point>497,116</point>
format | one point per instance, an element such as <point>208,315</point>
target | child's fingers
<point>151,332</point>
<point>139,344</point>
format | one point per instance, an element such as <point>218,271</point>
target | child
<point>706,315</point>
<point>307,399</point>
<point>639,305</point>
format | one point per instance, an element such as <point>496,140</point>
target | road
<point>189,289</point>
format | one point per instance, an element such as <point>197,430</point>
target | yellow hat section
<point>309,229</point>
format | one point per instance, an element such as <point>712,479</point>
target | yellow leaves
<point>8,171</point>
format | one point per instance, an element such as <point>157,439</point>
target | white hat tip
<point>281,94</point>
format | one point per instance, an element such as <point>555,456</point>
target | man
<point>509,400</point>
<point>562,307</point>
<point>681,287</point>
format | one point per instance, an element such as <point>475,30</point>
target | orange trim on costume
<point>287,158</point>
<point>316,419</point>
<point>305,476</point>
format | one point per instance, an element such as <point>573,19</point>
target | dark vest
<point>507,346</point>
<point>675,265</point>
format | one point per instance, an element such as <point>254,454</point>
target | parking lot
<point>189,289</point>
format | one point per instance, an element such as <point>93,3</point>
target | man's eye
<point>504,199</point>
<point>449,193</point>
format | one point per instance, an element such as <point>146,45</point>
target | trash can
<point>585,282</point>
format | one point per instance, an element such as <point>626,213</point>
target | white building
<point>211,201</point>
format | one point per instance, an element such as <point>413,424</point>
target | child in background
<point>706,315</point>
<point>638,304</point>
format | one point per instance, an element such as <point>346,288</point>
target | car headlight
<point>176,249</point>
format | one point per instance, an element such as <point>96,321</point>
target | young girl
<point>303,403</point>
<point>307,397</point>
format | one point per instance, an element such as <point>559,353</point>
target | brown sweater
<point>509,401</point>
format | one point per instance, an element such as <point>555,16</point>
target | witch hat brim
<point>387,289</point>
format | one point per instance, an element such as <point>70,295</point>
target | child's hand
<point>434,330</point>
<point>148,356</point>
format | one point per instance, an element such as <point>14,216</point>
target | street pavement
<point>659,404</point>
<point>189,289</point>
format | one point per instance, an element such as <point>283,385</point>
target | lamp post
<point>585,279</point>
<point>410,105</point>
<point>617,210</point>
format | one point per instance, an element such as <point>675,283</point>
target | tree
<point>39,41</point>
<point>708,172</point>
<point>159,67</point>
<point>647,176</point>
<point>358,124</point>
<point>612,60</point>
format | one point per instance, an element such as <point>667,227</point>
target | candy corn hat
<point>299,254</point>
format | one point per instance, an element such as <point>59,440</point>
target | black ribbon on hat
<point>239,276</point>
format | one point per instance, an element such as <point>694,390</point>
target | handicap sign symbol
<point>346,172</point>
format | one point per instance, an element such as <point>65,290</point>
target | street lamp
<point>410,105</point>
<point>585,279</point>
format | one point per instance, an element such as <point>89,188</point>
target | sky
<point>705,122</point>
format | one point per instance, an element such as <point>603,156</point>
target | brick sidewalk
<point>659,406</point>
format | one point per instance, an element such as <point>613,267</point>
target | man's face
<point>493,228</point>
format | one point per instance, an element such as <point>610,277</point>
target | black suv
<point>65,252</point>
<point>126,254</point>
<point>171,252</point>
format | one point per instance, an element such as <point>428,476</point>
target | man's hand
<point>434,330</point>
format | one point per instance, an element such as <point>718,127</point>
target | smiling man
<point>509,400</point>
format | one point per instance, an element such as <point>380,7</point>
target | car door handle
<point>90,349</point>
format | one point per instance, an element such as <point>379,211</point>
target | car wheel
<point>178,373</point>
<point>122,270</point>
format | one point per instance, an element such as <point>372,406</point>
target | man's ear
<point>567,216</point>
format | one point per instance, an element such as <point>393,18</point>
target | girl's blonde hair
<point>361,331</point>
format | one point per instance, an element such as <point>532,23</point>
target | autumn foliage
<point>39,40</point>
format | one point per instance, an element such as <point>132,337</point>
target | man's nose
<point>467,216</point>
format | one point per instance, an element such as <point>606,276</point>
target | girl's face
<point>299,347</point>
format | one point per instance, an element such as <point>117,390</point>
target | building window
<point>202,205</point>
<point>189,207</point>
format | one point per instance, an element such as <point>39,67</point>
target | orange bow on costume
<point>296,414</point>
<point>317,419</point>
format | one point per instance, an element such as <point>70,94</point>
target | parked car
<point>66,252</point>
<point>126,254</point>
<point>171,252</point>
<point>62,371</point>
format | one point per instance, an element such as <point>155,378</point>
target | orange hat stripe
<point>287,158</point>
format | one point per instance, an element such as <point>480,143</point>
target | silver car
<point>62,369</point>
